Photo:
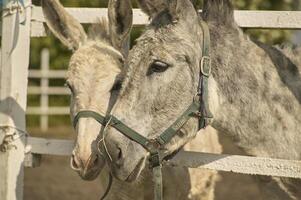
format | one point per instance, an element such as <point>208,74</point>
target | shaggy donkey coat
<point>254,91</point>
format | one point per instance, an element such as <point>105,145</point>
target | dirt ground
<point>54,180</point>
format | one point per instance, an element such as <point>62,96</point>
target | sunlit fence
<point>44,90</point>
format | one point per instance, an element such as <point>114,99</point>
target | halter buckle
<point>198,114</point>
<point>206,66</point>
<point>153,144</point>
<point>154,160</point>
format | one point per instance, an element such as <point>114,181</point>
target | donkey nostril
<point>74,164</point>
<point>119,154</point>
<point>96,159</point>
<point>118,161</point>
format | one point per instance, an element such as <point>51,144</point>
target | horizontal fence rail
<point>228,163</point>
<point>245,19</point>
<point>49,146</point>
<point>46,90</point>
<point>47,73</point>
<point>238,164</point>
<point>48,111</point>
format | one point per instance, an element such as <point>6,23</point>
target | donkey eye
<point>157,67</point>
<point>121,60</point>
<point>117,86</point>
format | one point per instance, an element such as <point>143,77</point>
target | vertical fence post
<point>44,89</point>
<point>16,17</point>
<point>296,37</point>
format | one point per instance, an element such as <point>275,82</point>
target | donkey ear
<point>120,23</point>
<point>178,9</point>
<point>152,7</point>
<point>67,29</point>
<point>220,11</point>
<point>182,10</point>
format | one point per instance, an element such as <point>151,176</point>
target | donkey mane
<point>288,64</point>
<point>292,52</point>
<point>219,11</point>
<point>100,31</point>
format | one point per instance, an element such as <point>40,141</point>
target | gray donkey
<point>254,90</point>
<point>94,74</point>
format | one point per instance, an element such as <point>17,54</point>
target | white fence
<point>44,90</point>
<point>18,27</point>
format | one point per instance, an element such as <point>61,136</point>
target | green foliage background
<point>59,55</point>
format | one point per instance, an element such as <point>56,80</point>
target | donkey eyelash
<point>117,86</point>
<point>157,67</point>
<point>121,60</point>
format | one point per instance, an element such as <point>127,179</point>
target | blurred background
<point>47,114</point>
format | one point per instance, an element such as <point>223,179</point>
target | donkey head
<point>93,72</point>
<point>160,84</point>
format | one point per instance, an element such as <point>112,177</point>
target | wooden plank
<point>49,111</point>
<point>37,29</point>
<point>269,19</point>
<point>48,74</point>
<point>83,15</point>
<point>48,91</point>
<point>245,19</point>
<point>238,164</point>
<point>91,15</point>
<point>49,146</point>
<point>13,87</point>
<point>221,162</point>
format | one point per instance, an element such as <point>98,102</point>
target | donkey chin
<point>129,172</point>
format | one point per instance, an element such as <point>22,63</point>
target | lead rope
<point>108,187</point>
<point>156,166</point>
<point>158,182</point>
<point>110,157</point>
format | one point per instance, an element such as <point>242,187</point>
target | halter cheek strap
<point>205,72</point>
<point>198,108</point>
<point>151,145</point>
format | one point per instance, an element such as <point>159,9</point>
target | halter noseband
<point>198,108</point>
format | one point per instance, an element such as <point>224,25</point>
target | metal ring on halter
<point>204,71</point>
<point>196,97</point>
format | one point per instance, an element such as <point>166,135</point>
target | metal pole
<point>16,17</point>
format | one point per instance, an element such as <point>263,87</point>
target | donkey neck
<point>255,106</point>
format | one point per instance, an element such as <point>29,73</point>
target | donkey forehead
<point>97,48</point>
<point>165,44</point>
<point>96,60</point>
<point>93,53</point>
<point>166,50</point>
